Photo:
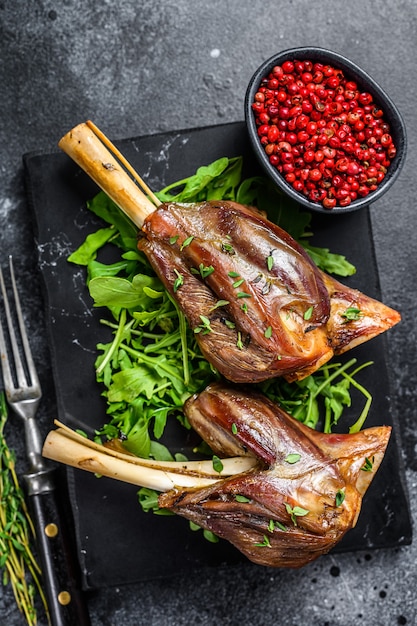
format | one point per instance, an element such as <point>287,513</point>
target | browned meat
<point>259,305</point>
<point>368,316</point>
<point>302,497</point>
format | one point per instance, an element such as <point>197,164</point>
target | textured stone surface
<point>143,67</point>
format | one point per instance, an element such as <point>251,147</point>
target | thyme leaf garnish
<point>228,248</point>
<point>240,498</point>
<point>308,313</point>
<point>292,458</point>
<point>179,281</point>
<point>217,464</point>
<point>368,466</point>
<point>204,328</point>
<point>352,314</point>
<point>295,512</point>
<point>264,544</point>
<point>219,304</point>
<point>340,497</point>
<point>186,242</point>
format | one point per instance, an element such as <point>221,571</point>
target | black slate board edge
<point>89,581</point>
<point>395,444</point>
<point>396,438</point>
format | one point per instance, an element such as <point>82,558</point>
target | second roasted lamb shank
<point>257,303</point>
<point>303,495</point>
<point>283,495</point>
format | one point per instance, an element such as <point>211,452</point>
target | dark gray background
<point>144,67</point>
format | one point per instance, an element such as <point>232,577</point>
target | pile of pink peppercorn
<point>327,138</point>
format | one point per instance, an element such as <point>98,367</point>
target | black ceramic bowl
<point>365,83</point>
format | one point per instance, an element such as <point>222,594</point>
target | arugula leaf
<point>216,181</point>
<point>95,269</point>
<point>129,384</point>
<point>112,291</point>
<point>88,250</point>
<point>102,206</point>
<point>329,261</point>
<point>139,441</point>
<point>148,499</point>
<point>328,388</point>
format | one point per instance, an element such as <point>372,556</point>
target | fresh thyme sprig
<point>17,561</point>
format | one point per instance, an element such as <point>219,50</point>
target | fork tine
<point>25,342</point>
<point>5,366</point>
<point>20,371</point>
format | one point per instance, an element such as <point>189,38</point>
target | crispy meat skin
<point>279,318</point>
<point>374,318</point>
<point>328,465</point>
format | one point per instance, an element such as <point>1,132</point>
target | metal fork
<point>66,603</point>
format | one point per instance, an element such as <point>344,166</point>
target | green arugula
<point>217,181</point>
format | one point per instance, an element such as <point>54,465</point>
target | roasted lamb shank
<point>285,495</point>
<point>259,306</point>
<point>305,492</point>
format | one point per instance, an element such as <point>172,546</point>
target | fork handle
<point>67,606</point>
